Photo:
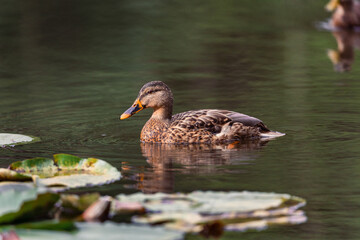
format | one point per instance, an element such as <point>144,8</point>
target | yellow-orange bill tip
<point>125,116</point>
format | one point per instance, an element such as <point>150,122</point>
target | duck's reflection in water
<point>195,159</point>
<point>343,57</point>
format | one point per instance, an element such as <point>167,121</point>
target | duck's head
<point>156,95</point>
<point>333,4</point>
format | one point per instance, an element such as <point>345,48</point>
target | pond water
<point>68,69</point>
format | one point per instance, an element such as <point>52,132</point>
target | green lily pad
<point>13,195</point>
<point>108,230</point>
<point>22,201</point>
<point>9,175</point>
<point>10,139</point>
<point>34,165</point>
<point>65,171</point>
<point>190,212</point>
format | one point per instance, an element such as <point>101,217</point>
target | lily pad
<point>64,171</point>
<point>78,202</point>
<point>208,202</point>
<point>34,165</point>
<point>9,175</point>
<point>13,195</point>
<point>190,212</point>
<point>108,230</point>
<point>22,201</point>
<point>53,225</point>
<point>10,139</point>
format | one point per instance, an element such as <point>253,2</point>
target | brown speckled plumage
<point>196,126</point>
<point>346,15</point>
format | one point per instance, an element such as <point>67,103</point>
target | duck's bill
<point>332,5</point>
<point>135,108</point>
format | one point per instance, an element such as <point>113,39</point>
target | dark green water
<point>68,69</point>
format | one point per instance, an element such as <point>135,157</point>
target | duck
<point>194,126</point>
<point>346,13</point>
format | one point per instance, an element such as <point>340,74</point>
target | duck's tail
<point>271,134</point>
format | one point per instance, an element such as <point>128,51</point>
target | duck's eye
<point>151,91</point>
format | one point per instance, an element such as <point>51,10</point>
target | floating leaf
<point>66,160</point>
<point>194,211</point>
<point>52,225</point>
<point>11,139</point>
<point>72,206</point>
<point>98,211</point>
<point>66,171</point>
<point>13,195</point>
<point>126,207</point>
<point>34,165</point>
<point>78,202</point>
<point>108,230</point>
<point>297,217</point>
<point>22,202</point>
<point>207,202</point>
<point>9,175</point>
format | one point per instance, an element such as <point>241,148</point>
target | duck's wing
<point>213,120</point>
<point>245,119</point>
